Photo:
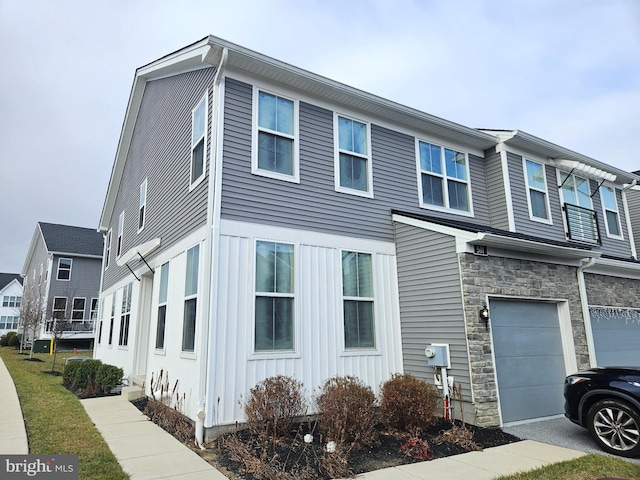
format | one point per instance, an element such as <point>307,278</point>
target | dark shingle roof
<point>72,240</point>
<point>7,278</point>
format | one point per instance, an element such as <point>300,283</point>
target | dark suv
<point>606,401</point>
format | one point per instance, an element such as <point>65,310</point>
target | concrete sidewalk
<point>13,435</point>
<point>145,451</point>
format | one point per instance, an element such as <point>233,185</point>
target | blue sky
<point>565,70</point>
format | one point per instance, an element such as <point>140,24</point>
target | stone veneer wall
<point>607,291</point>
<point>482,276</point>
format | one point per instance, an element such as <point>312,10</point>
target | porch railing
<point>582,224</point>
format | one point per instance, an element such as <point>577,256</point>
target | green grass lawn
<point>589,467</point>
<point>55,420</point>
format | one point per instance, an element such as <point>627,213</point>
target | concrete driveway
<point>558,431</point>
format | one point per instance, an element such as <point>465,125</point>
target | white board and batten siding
<point>319,352</point>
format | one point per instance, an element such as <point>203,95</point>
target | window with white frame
<point>198,140</point>
<point>162,305</point>
<point>357,295</point>
<point>100,324</point>
<point>40,276</point>
<point>538,198</point>
<point>113,316</point>
<point>94,309</point>
<point>275,151</point>
<point>274,297</point>
<point>444,178</point>
<point>77,312</point>
<point>59,310</point>
<point>575,190</point>
<point>125,315</point>
<point>9,322</point>
<point>353,165</point>
<point>13,301</point>
<point>120,232</point>
<point>64,268</point>
<point>190,299</point>
<point>107,250</point>
<point>142,204</point>
<point>611,212</point>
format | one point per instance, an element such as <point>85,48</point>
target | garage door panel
<point>516,372</point>
<point>616,337</point>
<point>517,341</point>
<point>530,402</point>
<point>510,313</point>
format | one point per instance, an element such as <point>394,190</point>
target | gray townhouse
<point>61,272</point>
<point>261,219</point>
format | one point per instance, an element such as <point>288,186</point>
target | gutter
<point>211,246</point>
<point>584,301</point>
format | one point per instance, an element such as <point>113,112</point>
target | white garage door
<point>529,359</point>
<point>616,337</point>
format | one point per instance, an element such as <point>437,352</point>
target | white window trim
<point>66,307</point>
<point>191,354</point>
<point>125,346</point>
<point>142,206</point>
<point>546,221</point>
<point>107,252</point>
<point>262,354</point>
<point>120,238</point>
<point>162,351</point>
<point>193,184</point>
<point>336,157</point>
<point>358,351</point>
<point>295,177</point>
<point>617,211</point>
<point>562,199</point>
<point>97,309</point>
<point>58,270</point>
<point>73,309</point>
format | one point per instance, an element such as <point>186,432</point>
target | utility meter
<point>438,355</point>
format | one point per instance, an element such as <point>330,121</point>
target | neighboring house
<point>10,298</point>
<point>262,220</point>
<point>62,268</point>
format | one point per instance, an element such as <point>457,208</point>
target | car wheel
<point>615,427</point>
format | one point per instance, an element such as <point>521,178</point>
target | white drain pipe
<point>200,414</point>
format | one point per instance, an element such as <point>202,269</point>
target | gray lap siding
<point>313,204</point>
<point>161,152</point>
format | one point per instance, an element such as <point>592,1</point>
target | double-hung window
<point>11,301</point>
<point>93,314</point>
<point>611,213</point>
<point>59,311</point>
<point>77,312</point>
<point>581,220</point>
<point>443,179</point>
<point>190,299</point>
<point>353,165</point>
<point>64,268</point>
<point>538,197</point>
<point>125,315</point>
<point>198,141</point>
<point>120,232</point>
<point>357,295</point>
<point>142,204</point>
<point>162,305</point>
<point>113,316</point>
<point>274,297</point>
<point>275,148</point>
<point>107,249</point>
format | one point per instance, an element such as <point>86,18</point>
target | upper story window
<point>190,299</point>
<point>59,309</point>
<point>198,141</point>
<point>353,164</point>
<point>120,232</point>
<point>538,197</point>
<point>444,178</point>
<point>274,297</point>
<point>11,301</point>
<point>611,213</point>
<point>107,249</point>
<point>142,204</point>
<point>575,190</point>
<point>275,147</point>
<point>77,313</point>
<point>94,309</point>
<point>64,268</point>
<point>357,294</point>
<point>581,220</point>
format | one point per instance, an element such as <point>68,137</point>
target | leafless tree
<point>61,309</point>
<point>32,314</point>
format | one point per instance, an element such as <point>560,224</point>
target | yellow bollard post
<point>51,348</point>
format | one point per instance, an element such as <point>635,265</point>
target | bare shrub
<point>458,435</point>
<point>161,411</point>
<point>273,405</point>
<point>347,413</point>
<point>407,403</point>
<point>336,464</point>
<point>416,448</point>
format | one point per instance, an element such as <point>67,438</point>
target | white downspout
<point>213,215</point>
<point>625,205</point>
<point>584,301</point>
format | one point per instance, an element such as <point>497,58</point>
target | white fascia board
<point>529,246</point>
<point>76,255</point>
<point>615,268</point>
<point>32,247</point>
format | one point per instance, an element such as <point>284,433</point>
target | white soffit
<point>142,249</point>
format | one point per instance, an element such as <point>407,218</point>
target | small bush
<point>274,404</point>
<point>108,377</point>
<point>170,419</point>
<point>6,339</point>
<point>407,403</point>
<point>85,376</point>
<point>416,448</point>
<point>347,413</point>
<point>14,340</point>
<point>69,373</point>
